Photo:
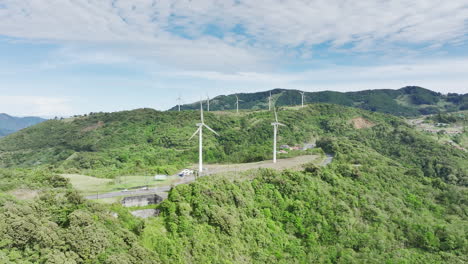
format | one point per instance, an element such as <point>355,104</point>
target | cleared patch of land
<point>453,134</point>
<point>290,163</point>
<point>88,184</point>
<point>24,194</point>
<point>360,122</point>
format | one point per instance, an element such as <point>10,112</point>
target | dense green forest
<point>364,207</point>
<point>59,226</point>
<point>391,195</point>
<point>407,101</point>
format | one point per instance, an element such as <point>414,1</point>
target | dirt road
<point>291,163</point>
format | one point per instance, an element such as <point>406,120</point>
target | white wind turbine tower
<point>237,103</point>
<point>200,138</point>
<point>178,101</point>
<point>275,132</point>
<point>302,95</point>
<point>269,102</point>
<point>208,102</point>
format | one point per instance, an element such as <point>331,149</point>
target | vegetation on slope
<point>145,140</point>
<point>407,101</point>
<point>60,226</point>
<point>362,208</point>
<point>391,194</point>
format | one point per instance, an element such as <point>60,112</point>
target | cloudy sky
<point>64,57</point>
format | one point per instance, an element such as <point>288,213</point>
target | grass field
<point>88,185</point>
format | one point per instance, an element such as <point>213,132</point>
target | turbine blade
<point>276,116</point>
<point>195,133</point>
<point>281,124</point>
<point>209,128</point>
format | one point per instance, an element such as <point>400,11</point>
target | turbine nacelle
<point>277,124</point>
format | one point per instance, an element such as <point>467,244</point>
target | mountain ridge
<point>149,141</point>
<point>406,101</point>
<point>10,124</point>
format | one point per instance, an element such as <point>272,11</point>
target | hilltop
<point>149,141</point>
<point>10,124</point>
<point>407,101</point>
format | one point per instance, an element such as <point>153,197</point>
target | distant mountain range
<point>10,124</point>
<point>407,101</point>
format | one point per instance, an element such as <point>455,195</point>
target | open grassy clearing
<point>88,185</point>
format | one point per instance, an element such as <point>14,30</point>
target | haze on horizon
<point>59,58</point>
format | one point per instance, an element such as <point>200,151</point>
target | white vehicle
<point>185,172</point>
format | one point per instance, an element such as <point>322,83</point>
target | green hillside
<point>391,194</point>
<point>407,101</point>
<point>365,207</point>
<point>149,141</point>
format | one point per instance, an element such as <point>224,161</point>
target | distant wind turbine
<point>237,103</point>
<point>302,95</point>
<point>208,102</point>
<point>200,138</point>
<point>269,102</point>
<point>275,132</point>
<point>178,101</point>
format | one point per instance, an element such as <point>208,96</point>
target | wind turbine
<point>237,103</point>
<point>269,102</point>
<point>208,102</point>
<point>200,138</point>
<point>302,95</point>
<point>178,100</point>
<point>275,125</point>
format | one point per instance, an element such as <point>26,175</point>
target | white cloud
<point>175,31</point>
<point>35,106</point>
<point>224,46</point>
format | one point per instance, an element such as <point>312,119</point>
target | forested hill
<point>407,101</point>
<point>149,141</point>
<point>10,124</point>
<point>390,195</point>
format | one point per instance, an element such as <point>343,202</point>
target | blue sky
<point>74,56</point>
